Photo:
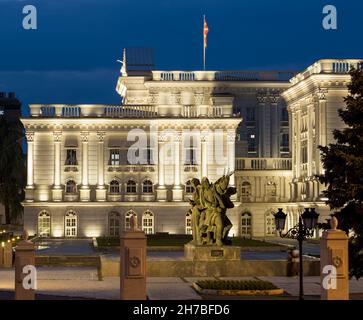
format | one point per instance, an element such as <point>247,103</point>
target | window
<point>304,152</point>
<point>114,187</point>
<point>71,186</point>
<point>284,115</point>
<point>246,224</point>
<point>71,159</point>
<point>188,223</point>
<point>44,224</point>
<point>190,155</point>
<point>188,187</point>
<point>250,114</point>
<point>131,186</point>
<point>270,224</point>
<point>148,156</point>
<point>148,222</point>
<point>147,186</point>
<point>70,223</point>
<point>284,146</point>
<point>128,216</point>
<point>270,189</point>
<point>114,157</point>
<point>114,224</point>
<point>246,189</point>
<point>251,140</point>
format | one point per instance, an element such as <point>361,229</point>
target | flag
<point>205,32</point>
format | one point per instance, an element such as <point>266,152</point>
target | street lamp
<point>305,228</point>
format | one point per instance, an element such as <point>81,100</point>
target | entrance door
<point>71,224</point>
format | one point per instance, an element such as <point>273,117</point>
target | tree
<point>12,168</point>
<point>343,176</point>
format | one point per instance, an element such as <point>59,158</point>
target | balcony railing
<point>328,66</point>
<point>263,164</point>
<point>127,111</point>
<point>244,75</point>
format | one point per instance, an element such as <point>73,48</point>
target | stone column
<point>29,192</point>
<point>204,156</point>
<point>334,264</point>
<point>133,264</point>
<point>261,98</point>
<point>7,255</point>
<point>85,190</point>
<point>161,191</point>
<point>25,268</point>
<point>231,145</point>
<point>322,110</point>
<point>275,126</point>
<point>101,190</point>
<point>57,192</point>
<point>177,190</point>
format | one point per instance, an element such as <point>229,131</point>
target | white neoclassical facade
<point>90,167</point>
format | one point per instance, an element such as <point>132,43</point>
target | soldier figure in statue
<point>210,224</point>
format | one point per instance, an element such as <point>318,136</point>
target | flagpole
<point>203,43</point>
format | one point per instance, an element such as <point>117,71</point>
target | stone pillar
<point>334,257</point>
<point>161,191</point>
<point>261,98</point>
<point>25,267</point>
<point>177,189</point>
<point>2,245</point>
<point>231,145</point>
<point>133,263</point>
<point>7,255</point>
<point>323,134</point>
<point>101,190</point>
<point>204,156</point>
<point>85,190</point>
<point>275,126</point>
<point>57,191</point>
<point>29,192</point>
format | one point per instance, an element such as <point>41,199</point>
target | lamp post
<point>305,228</point>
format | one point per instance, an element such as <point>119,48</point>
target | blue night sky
<point>71,58</point>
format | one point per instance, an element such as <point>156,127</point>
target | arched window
<point>270,224</point>
<point>148,222</point>
<point>147,186</point>
<point>246,225</point>
<point>114,224</point>
<point>44,224</point>
<point>71,186</point>
<point>70,224</point>
<point>188,223</point>
<point>131,186</point>
<point>188,187</point>
<point>271,189</point>
<point>128,216</point>
<point>114,187</point>
<point>246,189</point>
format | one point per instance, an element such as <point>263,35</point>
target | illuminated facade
<point>83,182</point>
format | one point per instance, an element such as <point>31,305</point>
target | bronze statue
<point>210,224</point>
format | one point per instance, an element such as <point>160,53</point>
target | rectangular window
<point>250,114</point>
<point>114,157</point>
<point>251,140</point>
<point>284,143</point>
<point>190,156</point>
<point>71,159</point>
<point>284,115</point>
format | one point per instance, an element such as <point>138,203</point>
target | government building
<point>90,167</point>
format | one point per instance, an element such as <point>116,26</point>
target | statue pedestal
<point>211,253</point>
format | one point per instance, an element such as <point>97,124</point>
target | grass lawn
<point>179,240</point>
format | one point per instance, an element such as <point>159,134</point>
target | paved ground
<point>308,247</point>
<point>83,283</point>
